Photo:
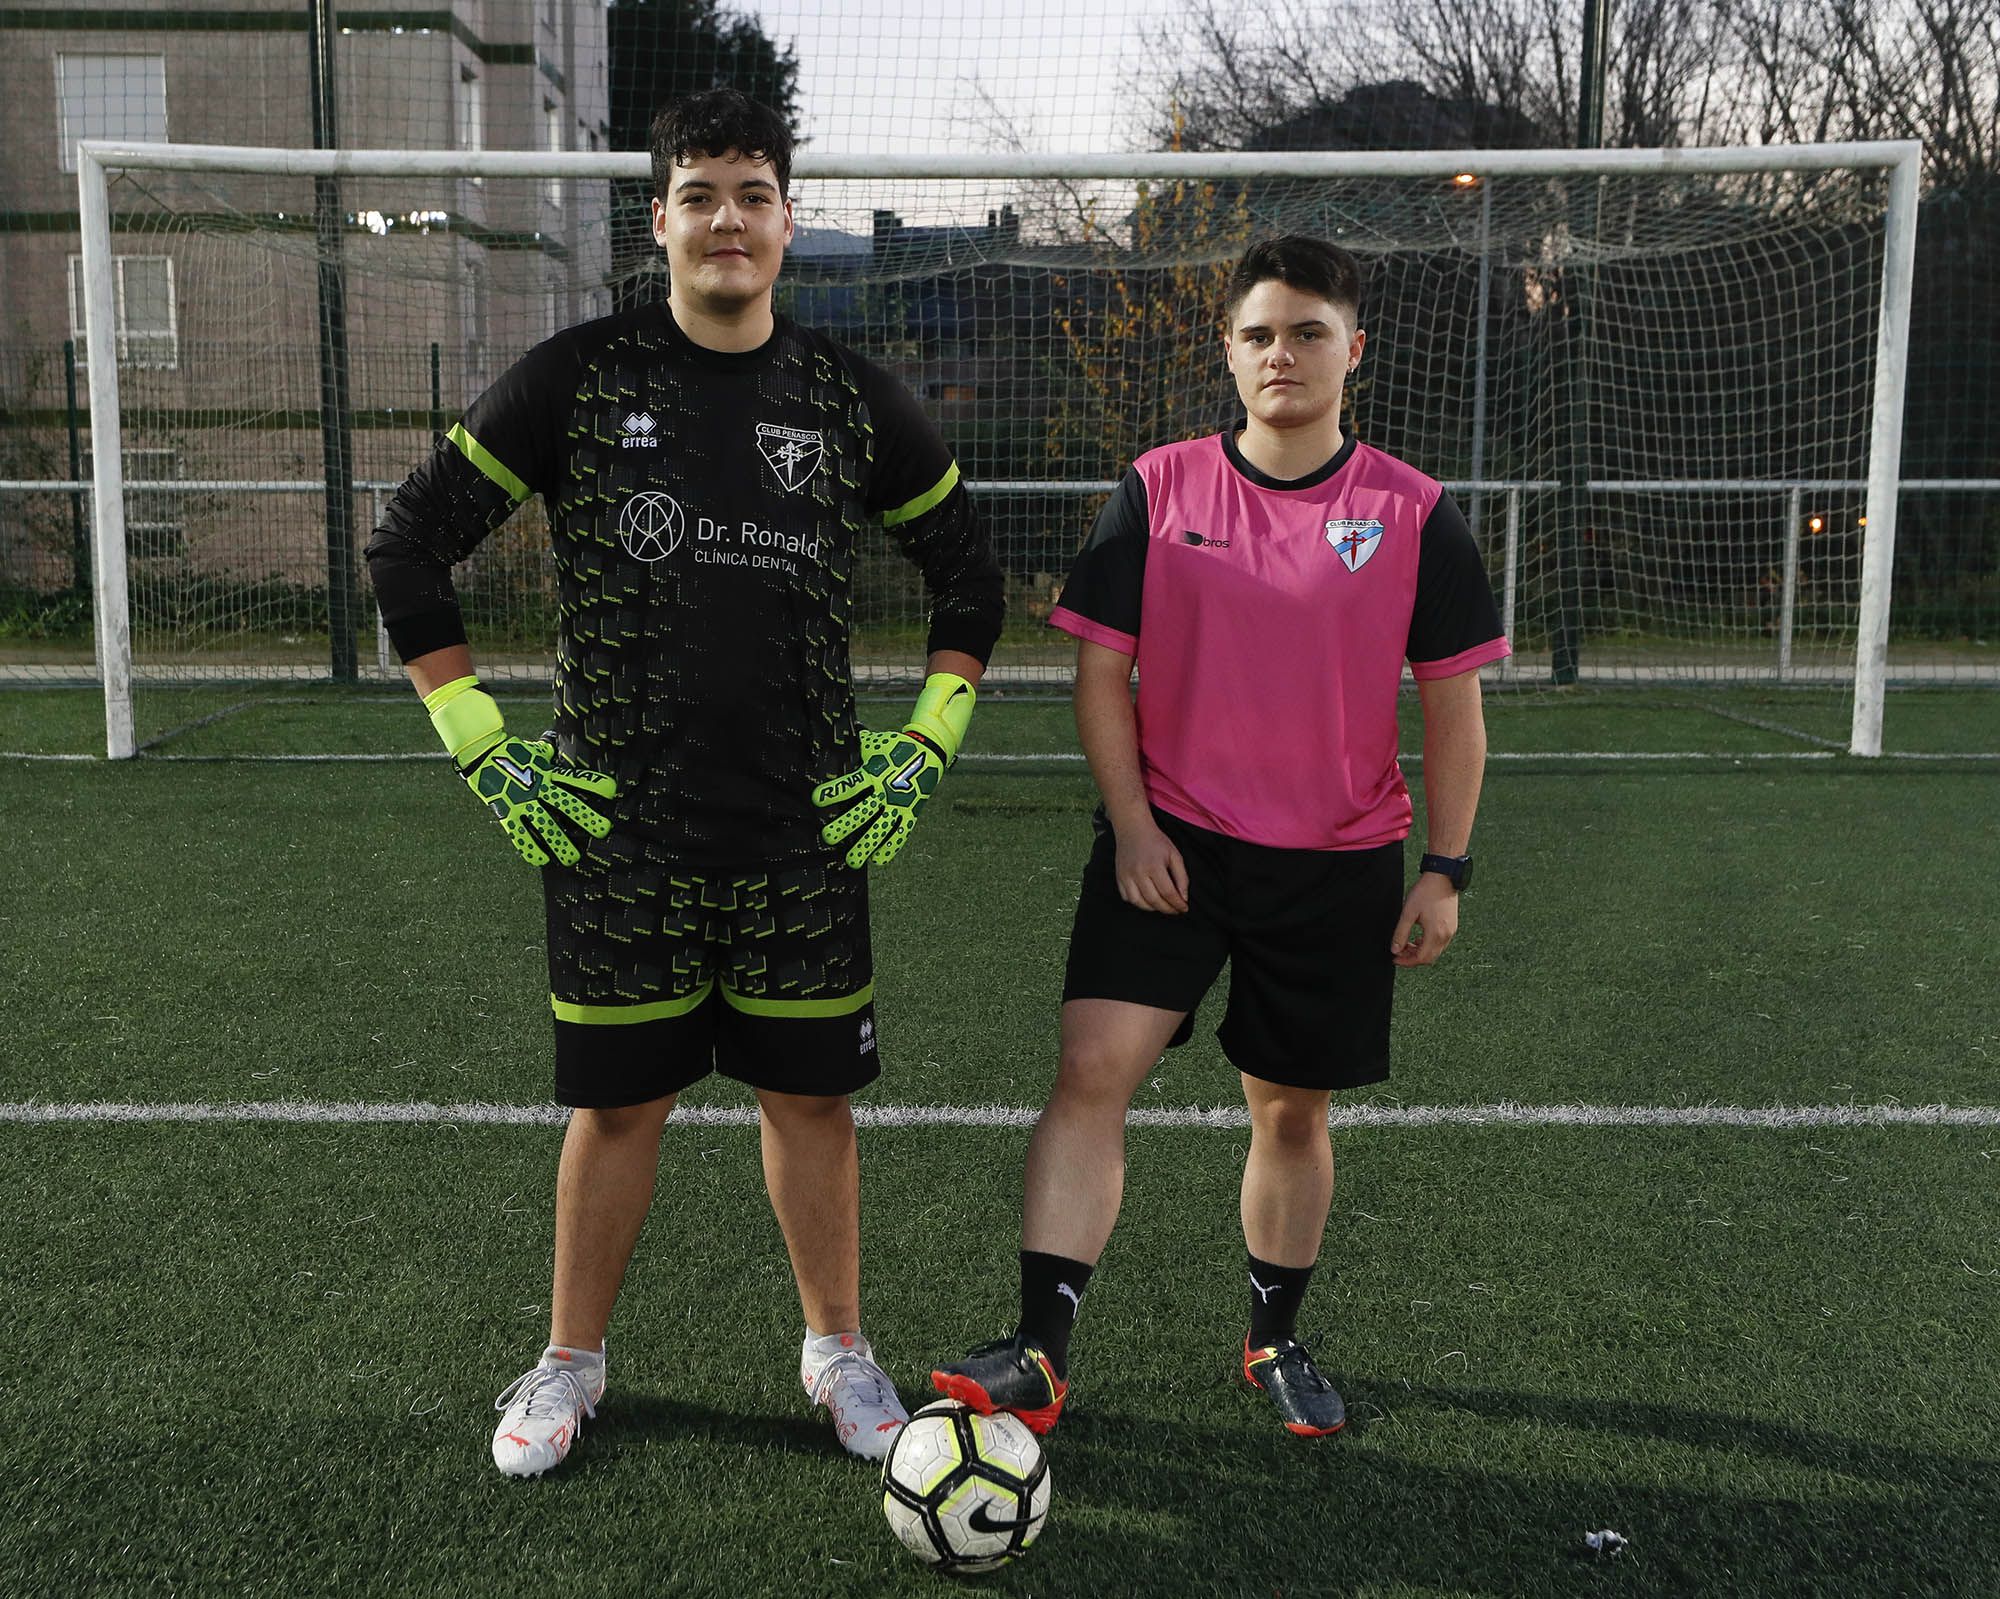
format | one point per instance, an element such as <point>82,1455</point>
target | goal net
<point>1661,384</point>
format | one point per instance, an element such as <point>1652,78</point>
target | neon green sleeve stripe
<point>487,462</point>
<point>924,501</point>
<point>845,1005</point>
<point>624,1015</point>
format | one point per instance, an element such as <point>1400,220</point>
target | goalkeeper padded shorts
<point>660,975</point>
<point>1305,931</point>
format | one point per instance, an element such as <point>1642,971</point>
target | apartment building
<point>219,333</point>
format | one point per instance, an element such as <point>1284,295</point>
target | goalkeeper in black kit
<point>705,808</point>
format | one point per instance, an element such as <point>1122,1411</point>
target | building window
<point>155,525</point>
<point>109,97</point>
<point>473,308</point>
<point>552,134</point>
<point>142,289</point>
<point>471,112</point>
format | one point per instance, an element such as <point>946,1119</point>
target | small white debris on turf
<point>1607,1545</point>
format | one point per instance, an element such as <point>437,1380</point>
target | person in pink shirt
<point>1268,585</point>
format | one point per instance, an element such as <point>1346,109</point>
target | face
<point>724,227</point>
<point>1290,353</point>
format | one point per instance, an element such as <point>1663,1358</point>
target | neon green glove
<point>520,780</point>
<point>898,772</point>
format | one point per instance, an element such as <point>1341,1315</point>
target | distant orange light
<point>1816,525</point>
<point>1863,522</point>
<point>1466,180</point>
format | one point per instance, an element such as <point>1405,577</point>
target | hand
<point>1151,874</point>
<point>1428,923</point>
<point>523,780</point>
<point>898,772</point>
<point>520,780</point>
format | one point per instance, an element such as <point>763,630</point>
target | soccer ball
<point>965,1492</point>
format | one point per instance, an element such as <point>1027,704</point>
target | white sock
<point>561,1355</point>
<point>821,1347</point>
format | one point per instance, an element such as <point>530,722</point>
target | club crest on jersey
<point>651,526</point>
<point>1354,542</point>
<point>639,430</point>
<point>793,453</point>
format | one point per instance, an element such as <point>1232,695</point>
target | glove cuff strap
<point>466,719</point>
<point>944,711</point>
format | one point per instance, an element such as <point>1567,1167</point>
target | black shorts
<point>660,975</point>
<point>1306,933</point>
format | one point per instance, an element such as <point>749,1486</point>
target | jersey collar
<point>1264,480</point>
<point>720,360</point>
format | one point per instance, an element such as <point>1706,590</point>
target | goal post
<point>1885,453</point>
<point>1057,314</point>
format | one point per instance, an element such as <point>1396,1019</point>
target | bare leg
<point>604,1187</point>
<point>1076,1159</point>
<point>1288,1180</point>
<point>813,1173</point>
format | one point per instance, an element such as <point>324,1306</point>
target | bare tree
<point>1679,71</point>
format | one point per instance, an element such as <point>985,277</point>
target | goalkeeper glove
<point>898,772</point>
<point>520,780</point>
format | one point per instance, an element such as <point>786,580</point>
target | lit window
<point>109,97</point>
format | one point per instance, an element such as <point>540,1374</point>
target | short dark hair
<point>1310,265</point>
<point>716,122</point>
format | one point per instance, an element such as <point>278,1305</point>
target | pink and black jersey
<point>1271,621</point>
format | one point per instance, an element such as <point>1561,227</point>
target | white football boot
<point>543,1410</point>
<point>839,1372</point>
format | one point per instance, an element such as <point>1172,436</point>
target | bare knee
<point>1295,1118</point>
<point>1097,1076</point>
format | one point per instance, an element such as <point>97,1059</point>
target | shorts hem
<point>1322,1082</point>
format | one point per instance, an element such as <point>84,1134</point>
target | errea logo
<point>640,432</point>
<point>867,1036</point>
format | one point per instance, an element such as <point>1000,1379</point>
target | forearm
<point>1454,761</point>
<point>429,673</point>
<point>1108,728</point>
<point>956,662</point>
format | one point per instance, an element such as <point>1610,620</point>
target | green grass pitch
<point>252,1357</point>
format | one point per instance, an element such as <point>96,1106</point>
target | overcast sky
<point>917,76</point>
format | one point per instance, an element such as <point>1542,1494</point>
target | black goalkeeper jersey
<point>706,511</point>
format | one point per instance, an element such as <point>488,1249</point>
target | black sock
<point>1051,1294</point>
<point>1275,1293</point>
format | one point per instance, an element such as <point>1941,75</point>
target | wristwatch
<point>1456,868</point>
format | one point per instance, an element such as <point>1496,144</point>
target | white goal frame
<point>98,159</point>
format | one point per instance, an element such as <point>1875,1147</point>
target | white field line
<point>1218,1118</point>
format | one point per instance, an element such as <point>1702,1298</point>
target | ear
<point>1354,349</point>
<point>788,220</point>
<point>659,223</point>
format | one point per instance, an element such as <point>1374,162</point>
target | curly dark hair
<point>716,122</point>
<point>1310,265</point>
